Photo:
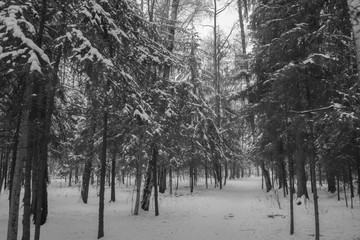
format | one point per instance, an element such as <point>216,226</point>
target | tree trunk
<point>313,186</point>
<point>291,183</point>
<point>17,168</point>
<point>15,151</point>
<point>103,173</point>
<point>300,166</point>
<point>206,174</point>
<point>113,177</point>
<point>191,175</point>
<point>70,175</point>
<point>226,173</point>
<point>338,186</point>
<point>155,156</point>
<point>149,183</point>
<point>242,27</point>
<point>162,178</point>
<point>170,180</point>
<point>330,176</point>
<point>346,200</point>
<point>27,199</point>
<point>320,175</point>
<point>351,186</point>
<point>266,177</point>
<point>171,35</point>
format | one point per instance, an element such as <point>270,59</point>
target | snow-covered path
<point>239,211</point>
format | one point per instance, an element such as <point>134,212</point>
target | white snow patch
<point>240,211</point>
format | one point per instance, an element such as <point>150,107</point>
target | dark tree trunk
<point>320,174</point>
<point>266,177</point>
<point>70,176</point>
<point>27,199</point>
<point>88,165</point>
<point>149,183</point>
<point>351,186</point>
<point>291,183</point>
<point>346,200</point>
<point>14,151</point>
<point>170,180</point>
<point>358,170</point>
<point>113,177</point>
<point>330,175</point>
<point>138,185</point>
<point>102,174</point>
<point>162,179</point>
<point>338,186</point>
<point>154,157</point>
<point>300,166</point>
<point>206,174</point>
<point>191,175</point>
<point>226,172</point>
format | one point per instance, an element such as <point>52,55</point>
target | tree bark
<point>103,173</point>
<point>300,166</point>
<point>88,164</point>
<point>266,177</point>
<point>149,183</point>
<point>291,183</point>
<point>155,156</point>
<point>18,168</point>
<point>113,177</point>
<point>162,178</point>
<point>171,35</point>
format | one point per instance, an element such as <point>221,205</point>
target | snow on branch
<point>15,26</point>
<point>334,106</point>
<point>86,51</point>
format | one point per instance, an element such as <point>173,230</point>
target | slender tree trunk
<point>291,183</point>
<point>139,164</point>
<point>300,166</point>
<point>17,169</point>
<point>330,176</point>
<point>155,156</point>
<point>15,150</point>
<point>242,26</point>
<point>346,200</point>
<point>266,177</point>
<point>162,178</point>
<point>320,175</point>
<point>351,187</point>
<point>149,183</point>
<point>171,35</point>
<point>103,171</point>
<point>70,175</point>
<point>170,180</point>
<point>113,177</point>
<point>206,174</point>
<point>226,173</point>
<point>338,186</point>
<point>191,175</point>
<point>88,165</point>
<point>313,185</point>
<point>27,199</point>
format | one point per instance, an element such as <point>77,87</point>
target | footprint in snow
<point>229,216</point>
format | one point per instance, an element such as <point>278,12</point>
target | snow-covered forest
<point>121,119</point>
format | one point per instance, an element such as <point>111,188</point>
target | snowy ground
<point>240,211</point>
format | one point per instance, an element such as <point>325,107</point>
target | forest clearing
<point>241,211</point>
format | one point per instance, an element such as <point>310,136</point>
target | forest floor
<point>240,211</point>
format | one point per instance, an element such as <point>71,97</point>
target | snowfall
<point>241,211</point>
